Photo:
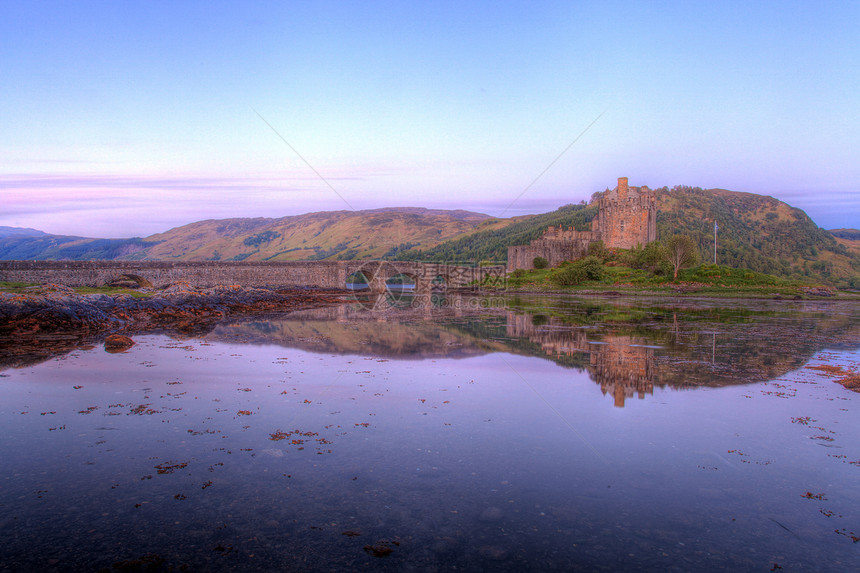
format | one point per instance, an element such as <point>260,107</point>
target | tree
<point>681,251</point>
<point>539,263</point>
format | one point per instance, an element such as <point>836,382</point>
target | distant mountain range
<point>755,231</point>
<point>370,234</point>
<point>19,232</point>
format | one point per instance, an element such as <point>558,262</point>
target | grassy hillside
<point>340,235</point>
<point>756,232</point>
<point>491,243</point>
<point>848,238</point>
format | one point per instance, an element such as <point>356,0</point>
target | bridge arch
<point>128,280</point>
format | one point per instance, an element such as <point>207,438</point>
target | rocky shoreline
<point>49,317</point>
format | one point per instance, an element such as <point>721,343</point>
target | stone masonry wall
<point>318,274</point>
<point>322,274</point>
<point>555,252</point>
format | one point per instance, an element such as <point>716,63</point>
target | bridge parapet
<point>205,274</point>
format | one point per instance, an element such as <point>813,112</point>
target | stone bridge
<point>286,274</point>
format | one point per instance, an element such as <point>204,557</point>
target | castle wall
<point>554,250</point>
<point>522,256</point>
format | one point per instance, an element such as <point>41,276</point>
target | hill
<point>756,232</point>
<point>850,234</point>
<point>491,244</point>
<point>19,232</point>
<point>342,235</point>
<point>376,233</point>
<point>45,247</point>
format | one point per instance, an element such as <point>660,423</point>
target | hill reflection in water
<point>627,347</point>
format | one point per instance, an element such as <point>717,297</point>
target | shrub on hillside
<point>540,263</point>
<point>599,250</point>
<point>651,258</point>
<point>589,268</point>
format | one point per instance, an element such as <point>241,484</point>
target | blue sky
<point>129,118</point>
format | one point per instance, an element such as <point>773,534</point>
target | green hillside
<point>341,235</point>
<point>756,232</point>
<point>332,235</point>
<point>492,244</point>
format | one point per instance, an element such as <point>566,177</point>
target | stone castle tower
<point>627,216</point>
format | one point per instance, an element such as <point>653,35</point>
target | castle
<point>627,216</point>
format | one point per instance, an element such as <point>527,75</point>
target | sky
<point>122,119</point>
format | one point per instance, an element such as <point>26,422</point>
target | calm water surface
<point>521,434</point>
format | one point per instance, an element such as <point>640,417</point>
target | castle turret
<point>622,187</point>
<point>627,216</point>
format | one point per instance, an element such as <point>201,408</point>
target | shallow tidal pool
<point>538,434</point>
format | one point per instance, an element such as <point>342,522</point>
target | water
<point>509,435</point>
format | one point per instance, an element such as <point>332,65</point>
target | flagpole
<point>715,241</point>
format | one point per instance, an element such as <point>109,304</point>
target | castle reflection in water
<point>622,365</point>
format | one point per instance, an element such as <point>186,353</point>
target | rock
<point>179,287</point>
<point>53,287</point>
<point>818,291</point>
<point>381,548</point>
<point>491,514</point>
<point>118,343</point>
<point>492,552</point>
<point>57,309</point>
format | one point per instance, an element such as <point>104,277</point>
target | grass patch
<point>112,291</point>
<point>15,287</point>
<point>707,279</point>
<point>727,276</point>
<point>32,288</point>
<point>534,278</point>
